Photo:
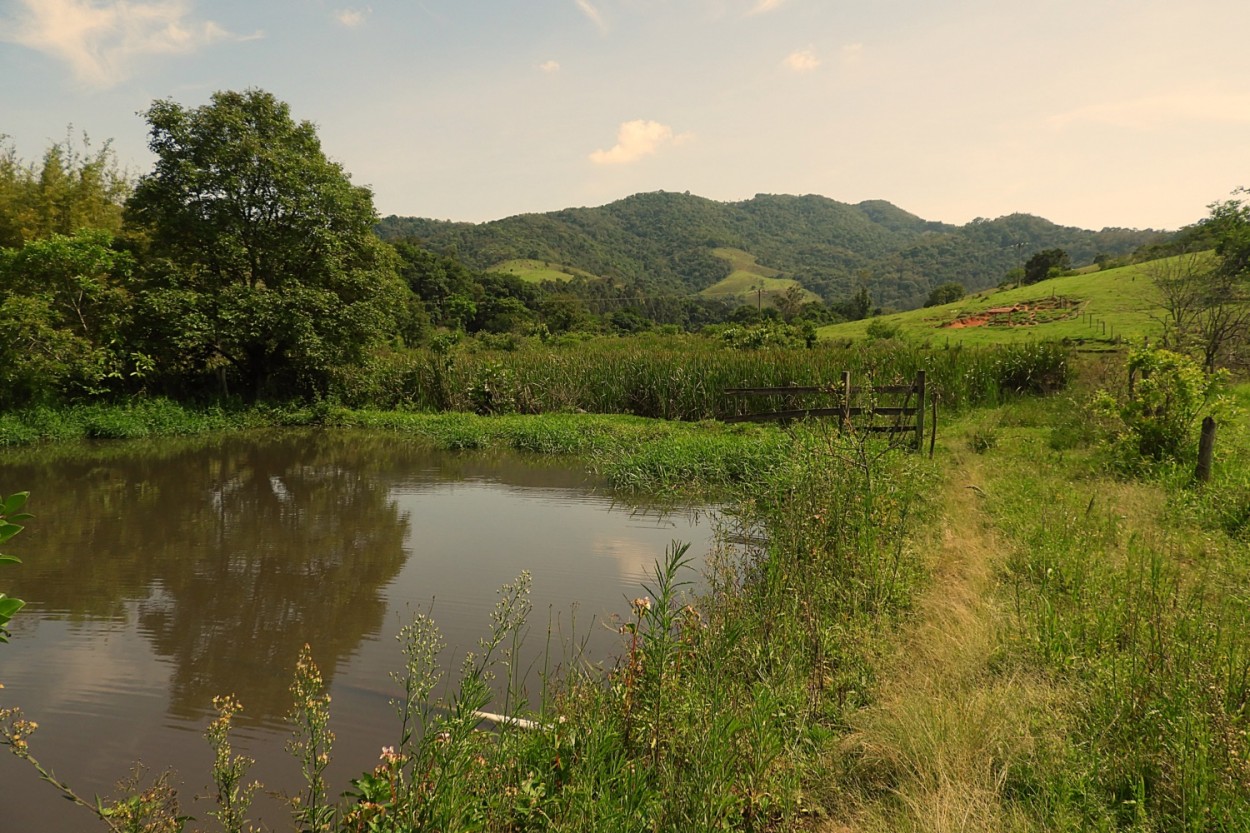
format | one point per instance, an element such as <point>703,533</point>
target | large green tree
<point>262,263</point>
<point>1045,264</point>
<point>946,293</point>
<point>1222,323</point>
<point>444,284</point>
<point>1206,294</point>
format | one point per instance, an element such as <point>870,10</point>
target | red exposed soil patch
<point>1025,314</point>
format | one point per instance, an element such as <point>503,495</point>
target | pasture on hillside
<point>748,277</point>
<point>537,271</point>
<point>1095,307</point>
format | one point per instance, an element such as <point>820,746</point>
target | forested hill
<point>668,240</point>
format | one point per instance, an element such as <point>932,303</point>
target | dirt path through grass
<point>932,753</point>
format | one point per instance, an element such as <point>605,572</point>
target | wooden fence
<point>906,417</point>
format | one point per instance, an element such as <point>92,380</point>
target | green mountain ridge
<point>666,240</point>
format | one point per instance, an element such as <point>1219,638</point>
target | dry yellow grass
<point>934,751</point>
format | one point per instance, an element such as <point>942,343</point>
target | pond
<point>158,575</point>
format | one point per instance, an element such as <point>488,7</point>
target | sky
<point>1091,113</point>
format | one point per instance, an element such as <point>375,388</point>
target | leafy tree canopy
<point>1229,224</point>
<point>64,310</point>
<point>272,273</point>
<point>1207,298</point>
<point>1043,264</point>
<point>946,293</point>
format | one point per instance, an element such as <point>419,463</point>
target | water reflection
<point>236,553</point>
<point>225,555</point>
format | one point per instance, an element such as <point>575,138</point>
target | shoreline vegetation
<point>681,378</point>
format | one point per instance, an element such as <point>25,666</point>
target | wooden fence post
<point>1206,448</point>
<point>920,379</point>
<point>932,426</point>
<point>845,422</point>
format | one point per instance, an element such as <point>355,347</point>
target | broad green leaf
<point>8,607</point>
<point>13,503</point>
<point>9,559</point>
<point>8,530</point>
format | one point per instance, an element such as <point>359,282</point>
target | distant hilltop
<point>692,244</point>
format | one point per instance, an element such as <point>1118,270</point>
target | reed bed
<point>683,377</point>
<point>672,378</point>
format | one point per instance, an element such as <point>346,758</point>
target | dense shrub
<point>1158,420</point>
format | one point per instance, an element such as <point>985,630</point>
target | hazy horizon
<point>1090,114</point>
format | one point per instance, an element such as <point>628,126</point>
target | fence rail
<point>908,417</point>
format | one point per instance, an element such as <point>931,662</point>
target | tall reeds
<point>682,377</point>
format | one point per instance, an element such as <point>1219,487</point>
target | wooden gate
<point>906,417</point>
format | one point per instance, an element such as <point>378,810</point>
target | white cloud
<point>765,6</point>
<point>549,66</point>
<point>1152,112</point>
<point>351,18</point>
<point>636,139</point>
<point>100,41</point>
<point>804,60</point>
<point>591,12</point>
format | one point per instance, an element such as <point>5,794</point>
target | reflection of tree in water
<point>237,553</point>
<point>294,546</point>
<point>235,550</point>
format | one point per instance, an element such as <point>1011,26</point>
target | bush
<point>1159,419</point>
<point>879,330</point>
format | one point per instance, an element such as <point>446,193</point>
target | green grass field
<point>748,276</point>
<point>1097,307</point>
<point>537,271</point>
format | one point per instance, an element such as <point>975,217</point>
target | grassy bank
<point>1131,597</point>
<point>632,453</point>
<point>1100,306</point>
<point>137,419</point>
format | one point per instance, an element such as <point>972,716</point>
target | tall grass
<point>674,378</point>
<point>682,377</point>
<point>1143,617</point>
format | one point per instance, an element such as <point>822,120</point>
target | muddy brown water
<point>160,574</point>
